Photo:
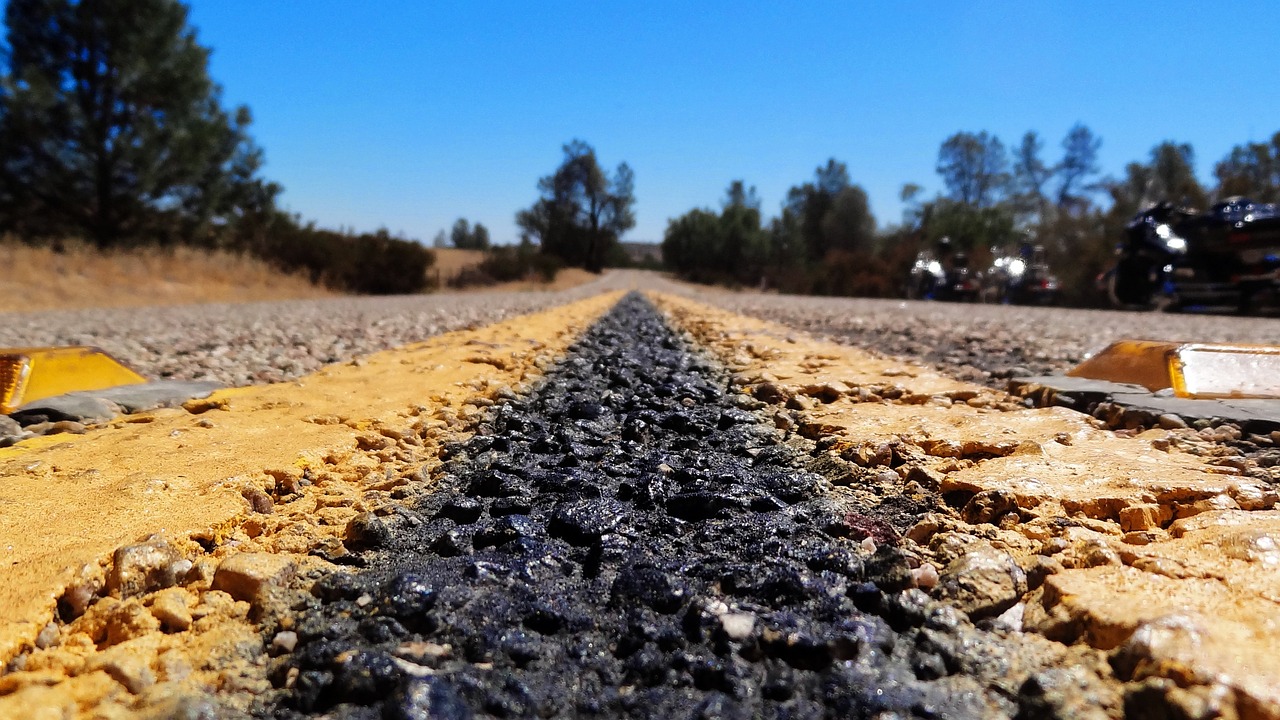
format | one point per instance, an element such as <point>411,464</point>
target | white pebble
<point>738,626</point>
<point>285,640</point>
<point>1010,619</point>
<point>48,636</point>
<point>926,576</point>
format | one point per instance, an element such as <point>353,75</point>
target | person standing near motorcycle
<point>956,284</point>
<point>945,252</point>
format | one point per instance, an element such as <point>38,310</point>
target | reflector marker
<point>1190,370</point>
<point>29,374</point>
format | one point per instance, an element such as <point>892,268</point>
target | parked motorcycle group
<point>1171,258</point>
<point>1021,277</point>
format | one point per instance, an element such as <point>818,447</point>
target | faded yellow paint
<point>70,501</point>
<point>1163,560</point>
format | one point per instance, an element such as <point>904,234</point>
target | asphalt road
<point>646,534</point>
<point>264,342</point>
<point>627,542</point>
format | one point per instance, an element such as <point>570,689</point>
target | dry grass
<point>565,279</point>
<point>33,278</point>
<point>37,278</point>
<point>451,261</point>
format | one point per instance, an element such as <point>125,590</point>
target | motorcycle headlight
<point>935,267</point>
<point>1017,267</point>
<point>1172,241</point>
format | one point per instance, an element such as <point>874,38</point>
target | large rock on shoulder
<point>144,567</point>
<point>157,394</point>
<point>99,406</point>
<point>255,578</point>
<point>982,582</point>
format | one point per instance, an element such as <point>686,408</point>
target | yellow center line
<point>67,502</point>
<point>1149,551</point>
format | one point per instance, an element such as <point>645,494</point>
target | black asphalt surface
<point>628,542</point>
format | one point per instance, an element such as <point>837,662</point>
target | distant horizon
<point>408,116</point>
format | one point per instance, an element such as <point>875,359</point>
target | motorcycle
<point>1023,278</point>
<point>946,279</point>
<point>1173,258</point>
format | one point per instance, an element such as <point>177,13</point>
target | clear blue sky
<point>410,114</point>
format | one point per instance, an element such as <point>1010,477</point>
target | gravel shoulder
<point>979,342</point>
<point>248,343</point>
<point>261,342</point>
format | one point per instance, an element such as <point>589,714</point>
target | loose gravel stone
<point>259,501</point>
<point>285,641</point>
<point>367,529</point>
<point>253,577</point>
<point>141,568</point>
<point>48,636</point>
<point>983,583</point>
<point>609,546</point>
<point>171,609</point>
<point>81,591</point>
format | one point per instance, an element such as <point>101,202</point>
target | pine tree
<point>111,128</point>
<point>583,212</point>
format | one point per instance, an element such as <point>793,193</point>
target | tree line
<point>825,240</point>
<point>577,220</point>
<point>464,236</point>
<point>582,210</point>
<point>112,131</point>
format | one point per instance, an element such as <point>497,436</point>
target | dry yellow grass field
<point>451,261</point>
<point>565,279</point>
<point>36,278</point>
<point>33,278</point>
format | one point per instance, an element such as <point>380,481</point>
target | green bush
<point>507,263</point>
<point>369,263</point>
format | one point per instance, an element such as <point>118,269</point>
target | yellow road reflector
<point>1137,362</point>
<point>29,374</point>
<point>1191,370</point>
